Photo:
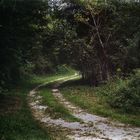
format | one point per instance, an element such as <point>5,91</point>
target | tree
<point>21,26</point>
<point>99,27</point>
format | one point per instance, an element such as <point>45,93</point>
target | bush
<point>128,96</point>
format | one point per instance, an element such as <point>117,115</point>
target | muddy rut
<point>91,127</point>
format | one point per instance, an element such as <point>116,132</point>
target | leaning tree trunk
<point>101,52</point>
<point>104,64</point>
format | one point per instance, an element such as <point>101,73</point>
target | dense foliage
<point>127,96</point>
<point>100,39</point>
<point>21,28</point>
<point>106,39</point>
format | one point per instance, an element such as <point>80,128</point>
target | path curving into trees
<point>91,127</point>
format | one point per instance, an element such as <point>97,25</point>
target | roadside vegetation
<point>118,99</point>
<point>16,121</point>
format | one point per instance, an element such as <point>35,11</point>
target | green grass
<point>16,121</point>
<point>56,109</point>
<point>94,100</point>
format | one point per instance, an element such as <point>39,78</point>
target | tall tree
<point>21,27</point>
<point>101,27</point>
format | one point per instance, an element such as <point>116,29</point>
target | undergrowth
<point>16,121</point>
<point>118,99</point>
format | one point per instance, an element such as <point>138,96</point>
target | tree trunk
<point>105,74</point>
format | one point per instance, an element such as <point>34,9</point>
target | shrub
<point>128,96</point>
